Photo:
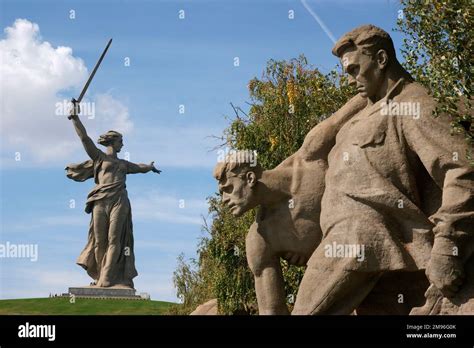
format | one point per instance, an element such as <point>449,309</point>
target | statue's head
<point>111,138</point>
<point>366,53</point>
<point>238,177</point>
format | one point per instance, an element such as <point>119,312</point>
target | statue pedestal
<point>115,292</point>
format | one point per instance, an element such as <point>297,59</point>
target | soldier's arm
<point>316,147</point>
<point>443,156</point>
<point>321,139</point>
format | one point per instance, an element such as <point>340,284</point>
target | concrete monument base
<point>98,292</point>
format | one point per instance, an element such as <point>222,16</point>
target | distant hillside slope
<point>62,306</point>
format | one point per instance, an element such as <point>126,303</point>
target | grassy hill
<point>62,306</point>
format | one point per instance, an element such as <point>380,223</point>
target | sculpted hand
<point>153,169</point>
<point>75,109</point>
<point>446,273</point>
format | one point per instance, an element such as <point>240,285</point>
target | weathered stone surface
<point>208,308</point>
<point>287,224</point>
<point>461,303</point>
<point>379,190</point>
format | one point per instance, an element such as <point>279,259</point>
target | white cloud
<point>113,112</point>
<point>34,76</point>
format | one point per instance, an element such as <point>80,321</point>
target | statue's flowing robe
<point>117,266</point>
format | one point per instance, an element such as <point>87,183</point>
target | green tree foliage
<point>289,100</point>
<point>187,282</point>
<point>223,252</point>
<point>438,52</point>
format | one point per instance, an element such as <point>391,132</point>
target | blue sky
<point>173,62</point>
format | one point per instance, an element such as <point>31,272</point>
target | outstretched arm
<point>87,142</point>
<point>134,168</point>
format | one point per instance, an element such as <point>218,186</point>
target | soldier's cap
<point>365,35</point>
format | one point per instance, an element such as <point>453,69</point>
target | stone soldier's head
<point>111,138</point>
<point>368,56</point>
<point>238,175</point>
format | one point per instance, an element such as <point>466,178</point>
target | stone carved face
<point>365,71</point>
<point>238,191</point>
<point>117,144</point>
